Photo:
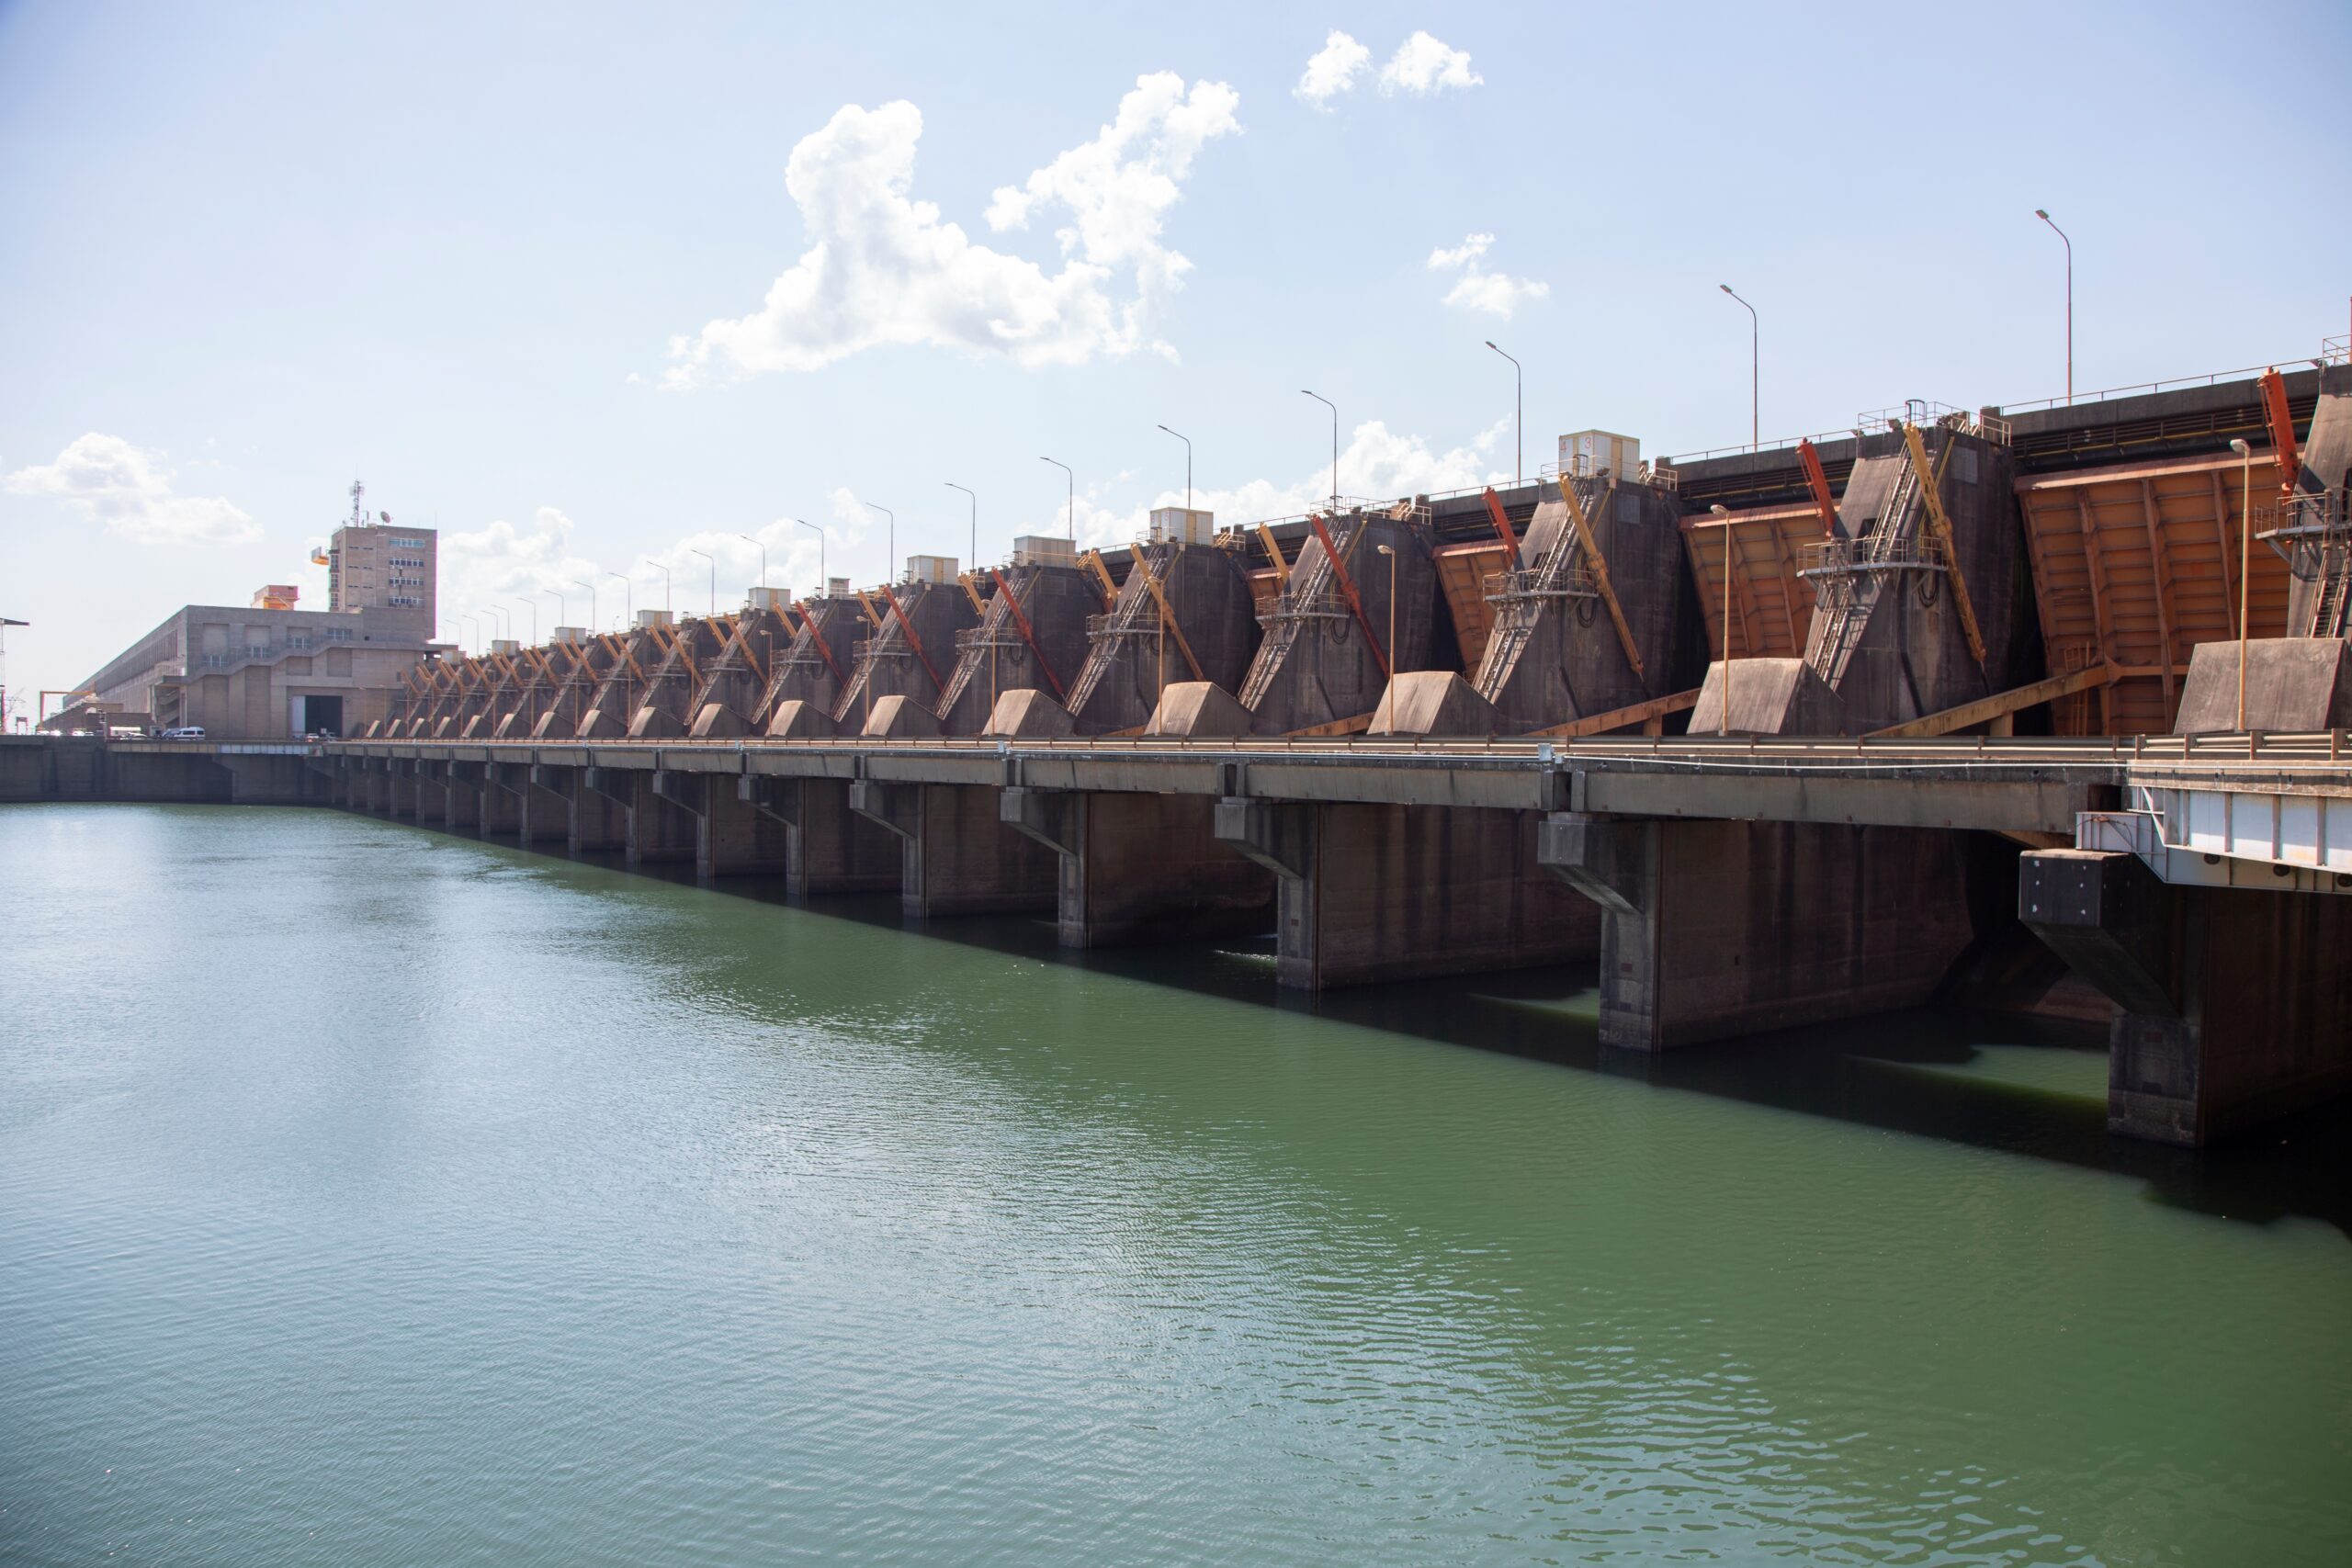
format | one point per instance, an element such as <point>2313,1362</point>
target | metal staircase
<point>1135,615</point>
<point>1312,594</point>
<point>1524,592</point>
<point>1848,575</point>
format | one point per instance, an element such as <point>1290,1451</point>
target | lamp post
<point>2246,557</point>
<point>974,562</point>
<point>1519,417</point>
<point>665,581</point>
<point>532,605</point>
<point>476,621</point>
<point>1391,655</point>
<point>628,599</point>
<point>562,605</point>
<point>763,559</point>
<point>1722,517</point>
<point>2045,217</point>
<point>714,577</point>
<point>591,601</point>
<point>1188,475</point>
<point>1073,491</point>
<point>822,586</point>
<point>1335,444</point>
<point>502,624</point>
<point>1755,381</point>
<point>890,545</point>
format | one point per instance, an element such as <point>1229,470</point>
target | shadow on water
<point>2005,1082</point>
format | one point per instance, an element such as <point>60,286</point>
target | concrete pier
<point>1141,868</point>
<point>906,650</point>
<point>2234,1006</point>
<point>1715,928</point>
<point>1043,646</point>
<point>1326,654</point>
<point>959,856</point>
<point>1370,892</point>
<point>731,835</point>
<point>828,847</point>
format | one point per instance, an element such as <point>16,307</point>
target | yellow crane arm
<point>1931,491</point>
<point>1600,573</point>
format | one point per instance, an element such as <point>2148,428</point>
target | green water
<point>373,1196</point>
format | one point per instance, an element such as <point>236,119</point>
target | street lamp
<point>665,581</point>
<point>763,559</point>
<point>1755,345</point>
<point>1335,444</point>
<point>1187,471</point>
<point>890,546</point>
<point>1722,517</point>
<point>1519,417</point>
<point>503,626</point>
<point>1073,491</point>
<point>2038,212</point>
<point>532,605</point>
<point>2245,554</point>
<point>714,577</point>
<point>628,599</point>
<point>562,605</point>
<point>1391,554</point>
<point>822,586</point>
<point>591,601</point>
<point>976,519</point>
<point>462,619</point>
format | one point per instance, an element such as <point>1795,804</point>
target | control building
<point>267,671</point>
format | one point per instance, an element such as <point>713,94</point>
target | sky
<point>590,288</point>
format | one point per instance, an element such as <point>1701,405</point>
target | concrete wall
<point>1128,660</point>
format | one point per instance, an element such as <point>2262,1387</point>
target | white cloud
<point>1495,293</point>
<point>883,268</point>
<point>1376,463</point>
<point>1422,65</point>
<point>108,481</point>
<point>1331,70</point>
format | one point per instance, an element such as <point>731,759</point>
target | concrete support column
<point>1137,868</point>
<point>461,811</point>
<point>1714,928</point>
<point>599,822</point>
<point>402,788</point>
<point>1367,894</point>
<point>731,837</point>
<point>2234,1006</point>
<point>655,830</point>
<point>957,856</point>
<point>542,815</point>
<point>502,799</point>
<point>828,847</point>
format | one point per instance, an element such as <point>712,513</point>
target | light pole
<point>1188,474</point>
<point>532,605</point>
<point>968,489</point>
<point>1722,517</point>
<point>1519,416</point>
<point>2038,212</point>
<point>1335,444</point>
<point>628,599</point>
<point>503,625</point>
<point>591,601</point>
<point>823,587</point>
<point>562,605</point>
<point>2245,555</point>
<point>1391,553</point>
<point>665,581</point>
<point>714,577</point>
<point>890,546</point>
<point>476,621</point>
<point>1754,381</point>
<point>1073,491</point>
<point>763,559</point>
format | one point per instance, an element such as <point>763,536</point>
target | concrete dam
<point>2042,708</point>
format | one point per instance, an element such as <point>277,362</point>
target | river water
<point>369,1195</point>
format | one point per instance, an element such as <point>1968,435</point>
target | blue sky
<point>474,255</point>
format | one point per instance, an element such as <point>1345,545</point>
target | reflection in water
<point>370,1195</point>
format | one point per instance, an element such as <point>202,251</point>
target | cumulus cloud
<point>883,268</point>
<point>1331,70</point>
<point>1377,463</point>
<point>1422,65</point>
<point>108,481</point>
<point>1495,293</point>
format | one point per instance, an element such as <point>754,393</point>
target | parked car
<point>184,732</point>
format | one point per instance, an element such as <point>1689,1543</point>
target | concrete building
<point>267,671</point>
